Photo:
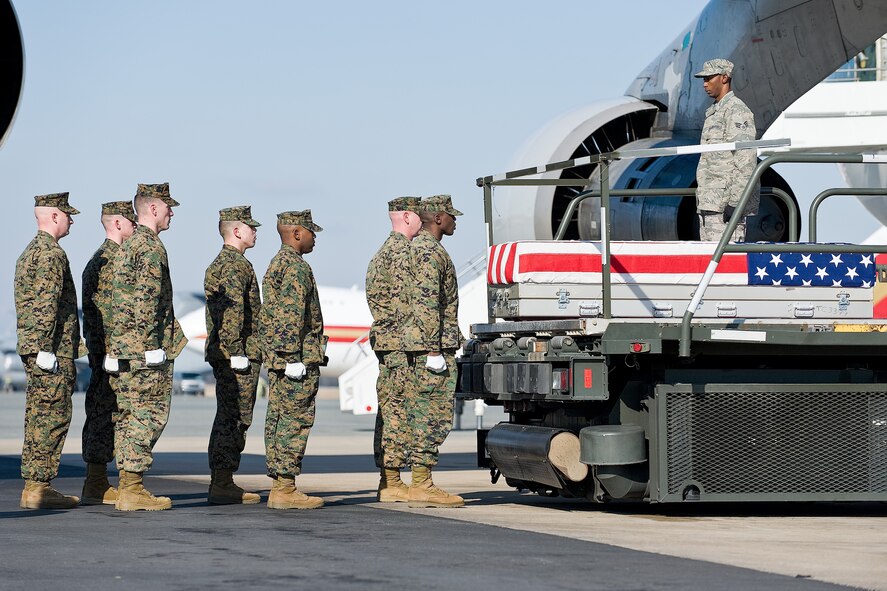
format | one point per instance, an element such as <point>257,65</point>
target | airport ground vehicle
<point>669,375</point>
<point>186,382</point>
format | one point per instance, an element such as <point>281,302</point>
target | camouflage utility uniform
<point>142,319</point>
<point>101,404</point>
<point>46,320</point>
<point>390,287</point>
<point>722,176</point>
<point>436,309</point>
<point>232,325</point>
<point>291,328</point>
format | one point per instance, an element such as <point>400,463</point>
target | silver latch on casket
<point>803,310</point>
<point>726,309</point>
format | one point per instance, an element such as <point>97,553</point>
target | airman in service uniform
<point>145,338</point>
<point>436,309</point>
<point>394,336</point>
<point>48,342</point>
<point>119,222</point>
<point>291,329</point>
<point>722,176</point>
<point>232,349</point>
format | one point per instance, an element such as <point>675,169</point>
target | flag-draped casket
<point>657,280</point>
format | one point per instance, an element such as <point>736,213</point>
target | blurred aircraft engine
<point>522,213</point>
<point>12,67</point>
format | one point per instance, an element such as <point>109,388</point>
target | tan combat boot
<point>391,487</point>
<point>39,495</point>
<point>133,496</point>
<point>285,495</point>
<point>423,493</point>
<point>223,491</point>
<point>96,489</point>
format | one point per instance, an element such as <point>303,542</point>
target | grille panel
<point>777,439</point>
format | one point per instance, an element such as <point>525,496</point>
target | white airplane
<point>346,318</point>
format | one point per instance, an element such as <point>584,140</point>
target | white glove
<point>47,361</point>
<point>155,357</point>
<point>239,362</point>
<point>436,363</point>
<point>111,365</point>
<point>295,370</point>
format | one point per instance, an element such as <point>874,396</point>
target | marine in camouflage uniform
<point>436,309</point>
<point>722,176</point>
<point>144,339</point>
<point>293,343</point>
<point>232,349</point>
<point>48,342</point>
<point>395,338</point>
<point>119,221</point>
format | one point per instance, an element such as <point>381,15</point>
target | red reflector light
<point>637,347</point>
<point>587,377</point>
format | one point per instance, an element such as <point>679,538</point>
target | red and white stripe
<point>673,263</point>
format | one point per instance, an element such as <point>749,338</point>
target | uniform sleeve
<point>741,128</point>
<point>49,274</point>
<point>427,298</point>
<point>227,306</point>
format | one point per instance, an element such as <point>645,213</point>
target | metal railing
<point>814,207</point>
<point>724,245</point>
<point>603,160</point>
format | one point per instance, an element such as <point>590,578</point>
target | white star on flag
<point>866,261</point>
<point>836,283</point>
<point>821,272</point>
<point>807,282</point>
<point>836,259</point>
<point>777,282</point>
<point>776,259</point>
<point>851,273</point>
<point>791,272</point>
<point>806,260</point>
<point>866,284</point>
<point>761,272</point>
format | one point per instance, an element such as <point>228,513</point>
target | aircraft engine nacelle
<point>535,213</point>
<point>12,66</point>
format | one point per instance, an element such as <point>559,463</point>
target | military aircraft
<point>781,49</point>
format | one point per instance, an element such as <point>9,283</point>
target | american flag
<point>672,263</point>
<point>811,269</point>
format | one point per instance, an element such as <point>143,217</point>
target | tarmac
<point>501,539</point>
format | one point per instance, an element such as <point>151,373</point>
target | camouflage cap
<point>404,204</point>
<point>158,191</point>
<point>438,203</point>
<point>241,213</point>
<point>714,67</point>
<point>123,208</point>
<point>298,218</point>
<point>58,200</point>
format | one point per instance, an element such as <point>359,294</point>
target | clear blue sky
<point>333,106</point>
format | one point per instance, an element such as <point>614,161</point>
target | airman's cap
<point>123,208</point>
<point>241,213</point>
<point>404,204</point>
<point>714,67</point>
<point>58,200</point>
<point>438,203</point>
<point>298,218</point>
<point>158,191</point>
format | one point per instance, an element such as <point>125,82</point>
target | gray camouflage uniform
<point>722,176</point>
